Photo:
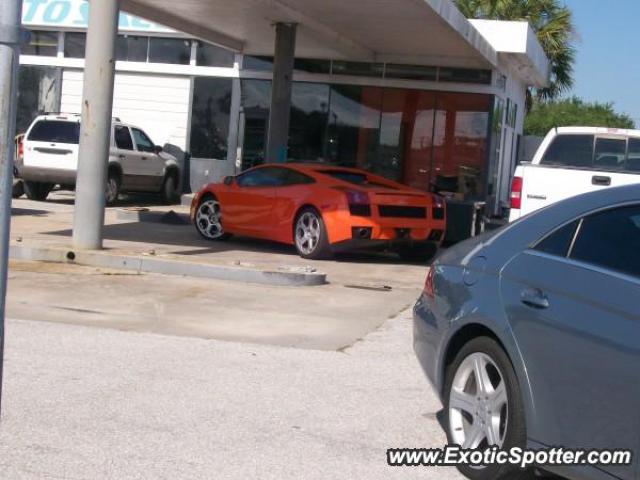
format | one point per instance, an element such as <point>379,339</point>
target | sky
<point>608,53</point>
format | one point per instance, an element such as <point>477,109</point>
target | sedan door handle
<point>534,298</point>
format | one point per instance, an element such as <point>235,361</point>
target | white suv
<point>135,163</point>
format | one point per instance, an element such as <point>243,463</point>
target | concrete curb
<point>149,264</point>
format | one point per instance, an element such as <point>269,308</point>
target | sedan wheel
<point>208,220</point>
<point>478,404</point>
<point>484,407</point>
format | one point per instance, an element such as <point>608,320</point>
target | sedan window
<point>558,242</point>
<point>611,240</point>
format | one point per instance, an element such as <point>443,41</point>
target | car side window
<point>143,142</point>
<point>260,177</point>
<point>123,138</point>
<point>558,242</point>
<point>292,178</point>
<point>610,239</point>
<point>573,151</point>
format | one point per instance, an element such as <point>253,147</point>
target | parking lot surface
<point>85,403</point>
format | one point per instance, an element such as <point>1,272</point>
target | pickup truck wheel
<point>169,192</point>
<point>113,188</point>
<point>37,191</point>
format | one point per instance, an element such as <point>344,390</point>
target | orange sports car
<point>321,209</point>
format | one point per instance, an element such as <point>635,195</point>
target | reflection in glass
<point>132,48</point>
<point>309,111</point>
<point>169,50</point>
<point>41,43</point>
<point>208,55</point>
<point>210,117</point>
<point>38,91</point>
<point>256,103</point>
<point>74,44</point>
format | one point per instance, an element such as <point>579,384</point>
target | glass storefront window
<point>359,69</point>
<point>353,125</point>
<point>464,75</point>
<point>256,103</point>
<point>460,144</point>
<point>309,113</point>
<point>132,48</point>
<point>38,91</point>
<point>75,44</point>
<point>42,43</point>
<point>208,55</point>
<point>169,50</point>
<point>411,72</point>
<point>257,63</point>
<point>309,65</point>
<point>210,117</point>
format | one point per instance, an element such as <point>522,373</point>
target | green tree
<point>573,112</point>
<point>553,25</point>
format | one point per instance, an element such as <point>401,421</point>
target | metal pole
<point>11,35</point>
<point>95,131</point>
<point>279,116</point>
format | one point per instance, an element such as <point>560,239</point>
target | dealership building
<point>409,90</point>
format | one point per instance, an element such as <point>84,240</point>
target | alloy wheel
<point>209,219</point>
<point>478,404</point>
<point>308,232</point>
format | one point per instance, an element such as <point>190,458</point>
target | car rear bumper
<point>47,175</point>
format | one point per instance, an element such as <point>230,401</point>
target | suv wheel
<point>169,192</point>
<point>483,407</point>
<point>37,190</point>
<point>112,188</point>
<point>310,235</point>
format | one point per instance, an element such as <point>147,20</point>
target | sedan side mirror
<point>157,148</point>
<point>229,180</point>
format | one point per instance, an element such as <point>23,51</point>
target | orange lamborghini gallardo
<point>321,209</point>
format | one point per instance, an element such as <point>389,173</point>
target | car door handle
<point>121,157</point>
<point>601,181</point>
<point>534,298</point>
<point>144,158</point>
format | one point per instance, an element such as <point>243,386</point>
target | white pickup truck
<point>572,161</point>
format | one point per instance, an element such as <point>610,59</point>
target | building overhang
<point>423,32</point>
<point>518,48</point>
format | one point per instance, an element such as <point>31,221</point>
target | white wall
<point>157,104</point>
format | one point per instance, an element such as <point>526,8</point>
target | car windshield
<point>55,131</point>
<point>360,179</point>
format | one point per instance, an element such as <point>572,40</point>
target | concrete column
<point>278,135</point>
<point>95,132</point>
<point>11,36</point>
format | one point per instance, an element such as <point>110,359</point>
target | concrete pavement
<point>89,403</point>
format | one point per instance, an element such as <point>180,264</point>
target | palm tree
<point>553,25</point>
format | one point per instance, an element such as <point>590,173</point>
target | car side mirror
<point>157,148</point>
<point>229,180</point>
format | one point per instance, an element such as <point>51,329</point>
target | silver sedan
<point>531,334</point>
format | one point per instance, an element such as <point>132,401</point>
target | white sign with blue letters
<point>75,14</point>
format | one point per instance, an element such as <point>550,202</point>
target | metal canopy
<point>423,32</point>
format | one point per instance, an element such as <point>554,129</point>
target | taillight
<point>516,193</point>
<point>356,197</point>
<point>359,203</point>
<point>20,147</point>
<point>428,284</point>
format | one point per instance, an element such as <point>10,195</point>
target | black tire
<point>18,189</point>
<point>37,191</point>
<point>321,250</point>
<point>112,189</point>
<point>516,432</point>
<point>422,252</point>
<point>170,185</point>
<point>201,229</point>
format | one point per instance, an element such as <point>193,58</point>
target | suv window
<point>261,177</point>
<point>55,131</point>
<point>558,242</point>
<point>611,239</point>
<point>610,153</point>
<point>574,151</point>
<point>633,159</point>
<point>143,142</point>
<point>123,138</point>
